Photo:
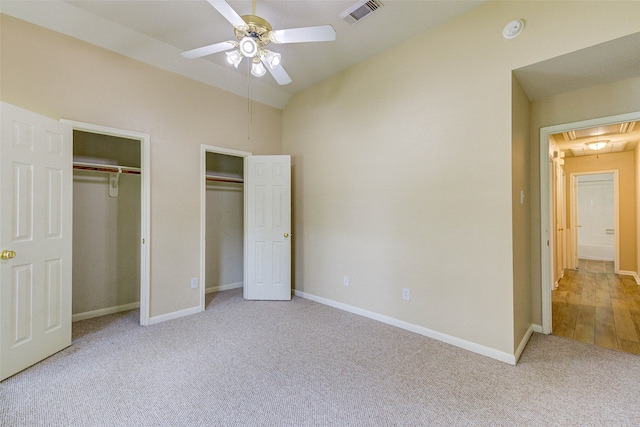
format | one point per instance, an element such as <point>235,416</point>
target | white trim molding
<point>457,342</point>
<point>174,315</point>
<point>523,342</point>
<point>630,273</point>
<point>104,311</point>
<point>226,287</point>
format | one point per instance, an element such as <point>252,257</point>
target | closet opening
<point>222,237</point>
<point>110,222</point>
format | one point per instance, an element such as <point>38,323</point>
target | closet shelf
<point>224,178</point>
<point>97,167</point>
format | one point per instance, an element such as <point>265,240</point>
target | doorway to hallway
<point>565,146</point>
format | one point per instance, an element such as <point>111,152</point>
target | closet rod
<point>218,178</point>
<point>105,168</point>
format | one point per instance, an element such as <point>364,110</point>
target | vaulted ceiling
<point>157,31</point>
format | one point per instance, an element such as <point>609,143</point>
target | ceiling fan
<point>253,33</point>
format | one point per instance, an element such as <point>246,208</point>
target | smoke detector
<point>513,29</point>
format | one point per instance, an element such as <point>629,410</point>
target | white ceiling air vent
<point>360,10</point>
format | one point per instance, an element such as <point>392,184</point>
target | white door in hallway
<point>35,238</point>
<point>267,274</point>
<point>595,212</point>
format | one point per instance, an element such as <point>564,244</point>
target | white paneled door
<point>35,238</point>
<point>268,236</point>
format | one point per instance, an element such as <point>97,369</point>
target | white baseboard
<point>537,328</point>
<point>174,315</point>
<point>457,342</point>
<point>523,342</point>
<point>192,310</point>
<point>220,288</point>
<point>104,311</point>
<point>630,273</point>
<point>597,257</point>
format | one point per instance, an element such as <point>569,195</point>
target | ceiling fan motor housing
<point>257,28</point>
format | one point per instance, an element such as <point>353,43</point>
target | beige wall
<point>61,77</point>
<point>521,214</point>
<point>402,169</point>
<point>625,165</point>
<point>595,102</point>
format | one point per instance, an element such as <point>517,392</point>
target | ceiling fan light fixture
<point>257,69</point>
<point>597,145</point>
<point>273,59</point>
<point>248,47</point>
<point>234,57</point>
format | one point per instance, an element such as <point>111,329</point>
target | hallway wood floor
<point>594,305</point>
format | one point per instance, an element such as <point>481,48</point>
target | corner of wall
<point>523,299</point>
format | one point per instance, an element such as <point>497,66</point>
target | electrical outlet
<point>406,294</point>
<point>194,283</point>
<point>346,280</point>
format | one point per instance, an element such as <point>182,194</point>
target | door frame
<point>558,219</point>
<point>545,208</point>
<point>145,203</point>
<point>204,149</point>
<point>573,197</point>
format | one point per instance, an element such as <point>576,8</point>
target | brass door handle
<point>286,234</point>
<point>560,229</point>
<point>7,254</point>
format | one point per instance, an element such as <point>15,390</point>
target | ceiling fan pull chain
<point>253,7</point>
<point>249,104</point>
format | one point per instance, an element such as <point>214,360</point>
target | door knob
<point>286,234</point>
<point>7,254</point>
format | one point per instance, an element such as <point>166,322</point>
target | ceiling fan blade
<point>208,50</point>
<point>322,33</point>
<point>226,11</point>
<point>278,73</point>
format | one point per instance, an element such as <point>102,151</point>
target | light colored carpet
<point>299,363</point>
